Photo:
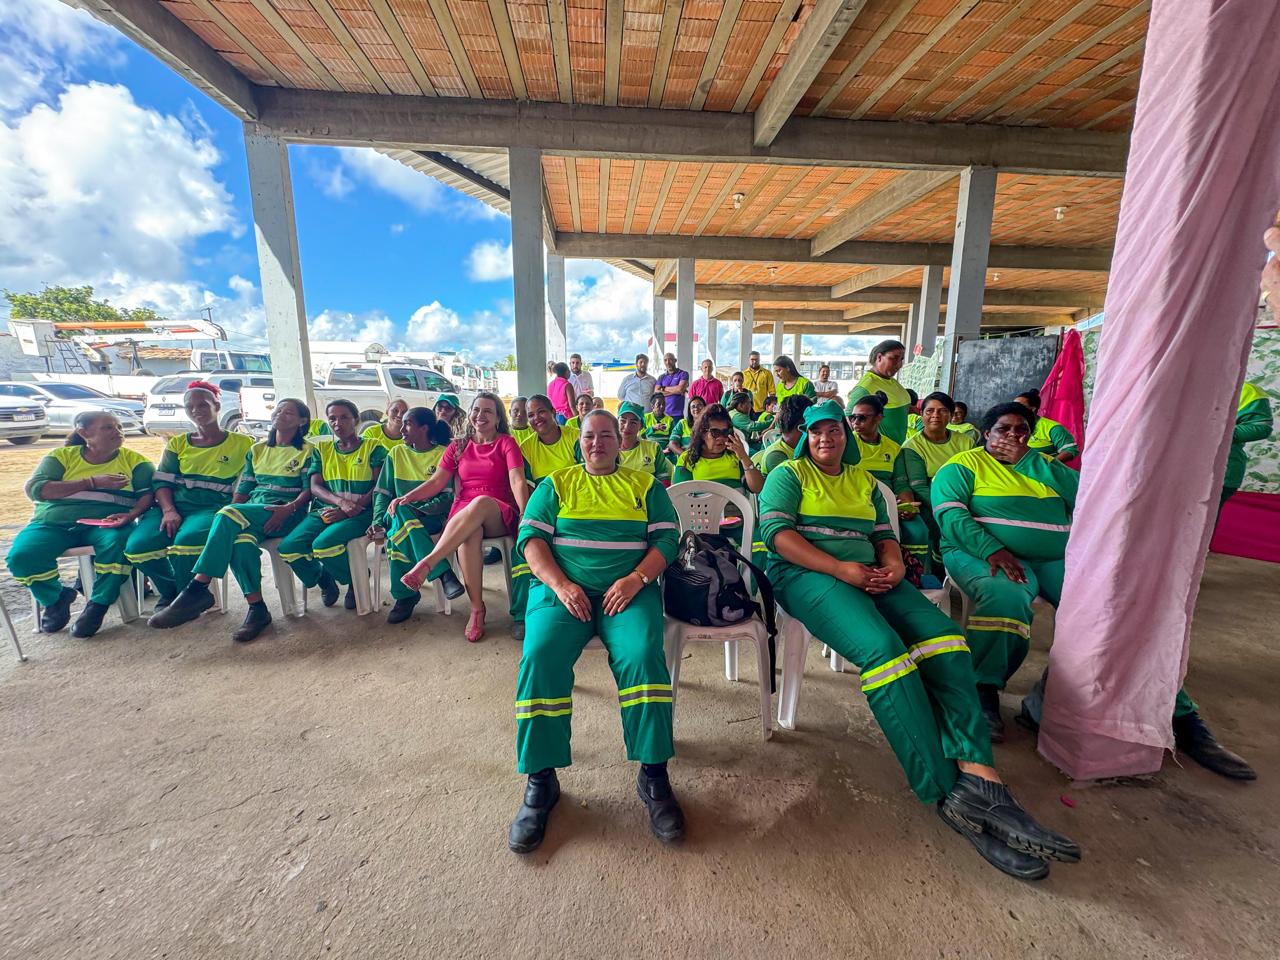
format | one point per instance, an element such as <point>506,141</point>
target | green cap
<point>828,410</point>
<point>451,399</point>
<point>634,409</point>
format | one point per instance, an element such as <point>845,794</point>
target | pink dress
<point>558,394</point>
<point>481,471</point>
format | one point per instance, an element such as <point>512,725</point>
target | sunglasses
<point>860,417</point>
<point>720,433</point>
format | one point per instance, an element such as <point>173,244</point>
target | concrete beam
<point>867,278</point>
<point>902,192</point>
<point>642,133</point>
<point>613,246</point>
<point>724,296</point>
<point>821,33</point>
<point>990,321</point>
<point>664,275</point>
<point>527,270</point>
<point>158,31</point>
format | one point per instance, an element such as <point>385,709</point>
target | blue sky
<point>126,177</point>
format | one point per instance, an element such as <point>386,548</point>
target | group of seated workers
<point>594,529</point>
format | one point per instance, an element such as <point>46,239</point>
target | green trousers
<point>33,558</point>
<point>554,640</point>
<point>916,671</point>
<point>169,562</point>
<point>313,546</point>
<point>233,543</point>
<point>999,626</point>
<point>409,539</point>
<point>917,540</point>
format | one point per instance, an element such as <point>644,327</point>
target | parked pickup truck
<point>370,386</point>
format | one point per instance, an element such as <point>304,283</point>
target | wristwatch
<point>643,579</point>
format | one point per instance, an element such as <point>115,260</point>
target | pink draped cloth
<point>1062,396</point>
<point>1203,184</point>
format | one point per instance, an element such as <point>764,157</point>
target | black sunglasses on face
<point>720,433</point>
<point>859,417</point>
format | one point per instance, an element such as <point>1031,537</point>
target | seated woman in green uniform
<point>883,459</point>
<point>739,407</point>
<point>716,453</point>
<point>922,455</point>
<point>597,537</point>
<point>636,453</point>
<point>790,424</point>
<point>1005,512</point>
<point>683,430</point>
<point>960,423</point>
<point>885,361</point>
<point>389,432</point>
<point>518,413</point>
<point>412,527</point>
<point>344,474</point>
<point>1253,422</point>
<point>270,500</point>
<point>552,445</point>
<point>195,479</point>
<point>790,383</point>
<point>583,403</point>
<point>836,567</point>
<point>657,425</point>
<point>92,477</point>
<point>1050,436</point>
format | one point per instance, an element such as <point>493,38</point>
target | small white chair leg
<point>13,634</point>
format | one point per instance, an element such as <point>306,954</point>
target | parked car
<point>368,385</point>
<point>22,421</point>
<point>63,401</point>
<point>165,413</point>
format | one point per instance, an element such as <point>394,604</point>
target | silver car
<point>63,401</point>
<point>22,421</point>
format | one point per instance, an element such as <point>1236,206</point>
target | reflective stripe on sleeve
<point>662,526</point>
<point>537,525</point>
<point>939,507</point>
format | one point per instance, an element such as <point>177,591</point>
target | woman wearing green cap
<point>836,566</point>
<point>448,410</point>
<point>636,452</point>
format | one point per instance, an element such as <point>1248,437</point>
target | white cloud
<point>41,41</point>
<point>420,191</point>
<point>374,326</point>
<point>489,260</point>
<point>397,229</point>
<point>334,182</point>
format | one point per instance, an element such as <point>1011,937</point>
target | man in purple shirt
<point>707,386</point>
<point>673,384</point>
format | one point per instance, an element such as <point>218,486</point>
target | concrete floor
<point>342,788</point>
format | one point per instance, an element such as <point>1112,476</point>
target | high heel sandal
<point>475,626</point>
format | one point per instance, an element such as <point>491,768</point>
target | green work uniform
<point>540,460</point>
<point>1253,422</point>
<point>647,457</point>
<point>271,476</point>
<point>658,428</point>
<point>751,428</point>
<point>983,506</point>
<point>319,428</point>
<point>896,408</point>
<point>412,529</point>
<point>800,388</point>
<point>680,435</point>
<point>314,546</point>
<point>1051,437</point>
<point>921,459</point>
<point>203,481</point>
<point>777,452</point>
<point>914,424</point>
<point>968,429</point>
<point>914,662</point>
<point>727,470</point>
<point>521,434</point>
<point>599,529</point>
<point>378,433</point>
<point>53,530</point>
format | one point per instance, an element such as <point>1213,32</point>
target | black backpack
<point>704,586</point>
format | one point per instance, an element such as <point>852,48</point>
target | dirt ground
<point>342,788</point>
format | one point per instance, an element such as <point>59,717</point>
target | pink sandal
<point>475,626</point>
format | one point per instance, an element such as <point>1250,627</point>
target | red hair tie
<point>203,385</point>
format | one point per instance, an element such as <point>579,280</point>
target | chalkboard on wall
<point>993,371</point>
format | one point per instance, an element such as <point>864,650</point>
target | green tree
<point>506,363</point>
<point>61,305</point>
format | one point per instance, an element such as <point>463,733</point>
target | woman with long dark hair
<point>716,453</point>
<point>923,455</point>
<point>87,493</point>
<point>886,359</point>
<point>790,382</point>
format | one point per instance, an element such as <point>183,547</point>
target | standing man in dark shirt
<point>673,384</point>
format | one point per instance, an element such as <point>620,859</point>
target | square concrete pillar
<point>684,314</point>
<point>968,264</point>
<point>557,331</point>
<point>925,335</point>
<point>525,166</point>
<point>745,332</point>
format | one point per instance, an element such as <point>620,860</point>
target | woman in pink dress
<point>489,496</point>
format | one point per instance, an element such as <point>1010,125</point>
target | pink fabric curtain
<point>1203,184</point>
<point>1062,396</point>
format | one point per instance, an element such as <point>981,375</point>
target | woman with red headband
<point>195,479</point>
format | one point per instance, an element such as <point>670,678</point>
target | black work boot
<point>666,819</point>
<point>453,587</point>
<point>402,609</point>
<point>195,599</point>
<point>989,700</point>
<point>255,621</point>
<point>1194,738</point>
<point>492,555</point>
<point>990,806</point>
<point>163,600</point>
<point>541,793</point>
<point>1016,864</point>
<point>349,601</point>
<point>328,589</point>
<point>90,620</point>
<point>55,616</point>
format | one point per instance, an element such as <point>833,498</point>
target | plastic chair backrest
<point>889,501</point>
<point>700,505</point>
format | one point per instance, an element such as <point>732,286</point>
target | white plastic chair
<point>358,558</point>
<point>700,504</point>
<point>293,602</point>
<point>443,604</point>
<point>127,602</point>
<point>13,634</point>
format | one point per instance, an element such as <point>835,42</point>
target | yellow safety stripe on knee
<point>999,625</point>
<point>521,570</point>
<point>757,546</point>
<point>294,557</point>
<point>544,707</point>
<point>148,556</point>
<point>917,550</point>
<point>182,550</point>
<point>246,538</point>
<point>404,531</point>
<point>949,643</point>
<point>895,669</point>
<point>397,555</point>
<point>37,577</point>
<point>235,515</point>
<point>121,569</point>
<point>644,693</point>
<point>324,553</point>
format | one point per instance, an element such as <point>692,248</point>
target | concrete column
<point>558,331</point>
<point>525,165</point>
<point>684,314</point>
<point>777,344</point>
<point>279,267</point>
<point>796,342</point>
<point>926,329</point>
<point>968,264</point>
<point>659,333</point>
<point>745,333</point>
<point>909,331</point>
<point>713,331</point>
